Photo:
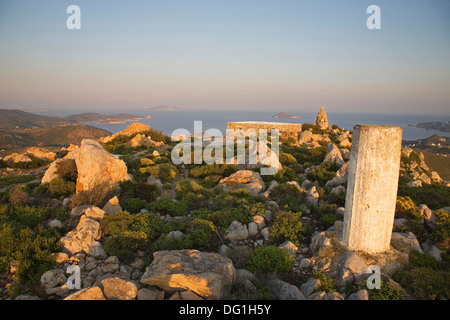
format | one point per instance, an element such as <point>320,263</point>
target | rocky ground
<point>190,232</point>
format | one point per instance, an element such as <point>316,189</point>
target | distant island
<point>165,108</point>
<point>285,115</point>
<point>104,119</point>
<point>443,126</point>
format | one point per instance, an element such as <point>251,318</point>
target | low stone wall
<point>286,130</point>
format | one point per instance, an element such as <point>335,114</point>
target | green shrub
<point>203,234</point>
<point>148,224</point>
<point>405,208</point>
<point>33,164</point>
<point>287,226</point>
<point>327,284</point>
<point>160,159</point>
<point>435,195</point>
<point>168,206</point>
<point>27,217</point>
<point>287,159</point>
<point>123,247</point>
<point>147,162</point>
<point>134,205</point>
<point>425,283</point>
<point>418,260</point>
<point>185,186</point>
<point>270,259</point>
<point>22,239</point>
<point>19,196</point>
<point>117,223</point>
<point>206,170</point>
<point>146,191</point>
<point>386,292</point>
<point>325,172</point>
<point>9,181</point>
<point>441,231</point>
<point>60,188</point>
<point>163,171</point>
<point>288,196</point>
<point>284,175</point>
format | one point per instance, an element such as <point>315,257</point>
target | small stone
<point>360,295</point>
<point>189,295</point>
<point>305,263</point>
<point>265,233</point>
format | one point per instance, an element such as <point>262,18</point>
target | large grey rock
<point>405,242</point>
<point>333,155</point>
<point>284,291</point>
<point>351,267</point>
<point>359,295</point>
<point>83,238</point>
<point>112,206</point>
<point>207,274</point>
<point>236,231</point>
<point>313,196</point>
<point>309,286</point>
<point>97,167</point>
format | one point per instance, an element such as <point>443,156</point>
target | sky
<point>286,55</point>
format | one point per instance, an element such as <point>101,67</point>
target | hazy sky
<point>235,54</point>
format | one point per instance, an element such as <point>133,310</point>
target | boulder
<point>141,140</point>
<point>351,267</point>
<point>16,158</point>
<point>135,127</point>
<point>209,275</point>
<point>118,289</point>
<point>92,293</point>
<point>236,231</point>
<point>244,179</point>
<point>309,286</point>
<point>154,180</point>
<point>41,153</point>
<point>415,183</point>
<point>343,171</point>
<point>112,206</point>
<point>284,291</point>
<point>97,167</point>
<point>313,196</point>
<point>83,238</point>
<point>150,294</point>
<point>333,155</point>
<point>405,242</point>
<point>359,295</point>
<point>336,181</point>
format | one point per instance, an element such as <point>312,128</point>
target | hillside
<point>17,120</point>
<point>49,137</point>
<point>440,126</point>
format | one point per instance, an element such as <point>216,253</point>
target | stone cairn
<point>322,120</point>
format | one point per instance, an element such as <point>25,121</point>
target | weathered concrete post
<point>372,188</point>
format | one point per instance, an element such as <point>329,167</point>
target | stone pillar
<point>372,188</point>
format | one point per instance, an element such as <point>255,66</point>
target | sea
<point>168,121</point>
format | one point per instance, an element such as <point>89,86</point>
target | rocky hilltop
<point>138,227</point>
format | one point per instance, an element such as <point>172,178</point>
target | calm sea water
<point>167,121</point>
